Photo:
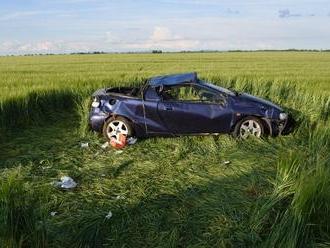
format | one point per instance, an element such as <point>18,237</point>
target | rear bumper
<point>96,119</point>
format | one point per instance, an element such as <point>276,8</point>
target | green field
<point>162,192</point>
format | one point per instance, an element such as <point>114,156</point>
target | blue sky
<point>57,26</point>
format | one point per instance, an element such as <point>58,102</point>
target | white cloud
<point>14,47</point>
<point>204,33</point>
<point>163,38</point>
<point>38,47</point>
<point>160,34</point>
<point>112,37</point>
<point>160,38</point>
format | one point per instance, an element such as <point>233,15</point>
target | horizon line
<point>159,51</point>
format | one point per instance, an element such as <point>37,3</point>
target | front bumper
<point>283,127</point>
<point>288,126</point>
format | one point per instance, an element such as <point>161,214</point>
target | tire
<point>249,126</point>
<point>116,125</point>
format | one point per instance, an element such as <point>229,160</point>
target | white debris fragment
<point>84,145</point>
<point>105,145</point>
<point>118,152</point>
<point>226,162</point>
<point>66,183</point>
<point>109,215</point>
<point>103,175</point>
<point>131,140</point>
<point>120,197</point>
<point>53,213</point>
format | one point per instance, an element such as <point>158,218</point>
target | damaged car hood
<point>249,98</point>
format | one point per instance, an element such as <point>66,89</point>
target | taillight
<point>95,103</point>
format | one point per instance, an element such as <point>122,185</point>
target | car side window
<point>192,93</point>
<point>151,94</point>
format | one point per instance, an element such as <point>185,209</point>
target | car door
<point>192,108</point>
<point>154,125</point>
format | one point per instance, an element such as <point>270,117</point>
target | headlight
<point>283,116</point>
<point>95,103</point>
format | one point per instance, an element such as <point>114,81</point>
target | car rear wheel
<point>249,127</point>
<point>115,126</point>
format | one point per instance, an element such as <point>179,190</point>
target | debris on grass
<point>120,197</point>
<point>109,215</point>
<point>53,213</point>
<point>118,142</point>
<point>66,183</point>
<point>84,145</point>
<point>105,145</point>
<point>227,162</point>
<point>119,152</point>
<point>131,140</point>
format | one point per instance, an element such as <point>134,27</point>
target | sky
<point>64,26</point>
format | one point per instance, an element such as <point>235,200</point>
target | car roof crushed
<point>174,79</point>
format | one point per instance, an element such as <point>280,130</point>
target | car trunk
<point>126,91</point>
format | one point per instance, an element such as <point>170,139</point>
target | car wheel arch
<point>116,116</point>
<point>266,123</point>
<point>267,126</point>
<point>121,116</point>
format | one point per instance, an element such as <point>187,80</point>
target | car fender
<point>130,109</point>
<point>268,125</point>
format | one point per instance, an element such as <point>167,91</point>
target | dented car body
<point>183,104</point>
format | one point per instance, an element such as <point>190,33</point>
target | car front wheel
<point>113,127</point>
<point>249,127</point>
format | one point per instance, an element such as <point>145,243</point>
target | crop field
<point>162,192</point>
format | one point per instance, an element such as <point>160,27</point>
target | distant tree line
<point>184,51</point>
<point>283,50</point>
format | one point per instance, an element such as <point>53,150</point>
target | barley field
<point>162,192</point>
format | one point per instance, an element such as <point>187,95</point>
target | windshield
<point>224,90</point>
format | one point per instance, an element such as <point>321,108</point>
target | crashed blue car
<point>183,104</point>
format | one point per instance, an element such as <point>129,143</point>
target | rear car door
<point>192,108</point>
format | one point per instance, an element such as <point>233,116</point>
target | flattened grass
<point>163,192</point>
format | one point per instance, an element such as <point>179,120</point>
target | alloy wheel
<point>115,128</point>
<point>250,128</point>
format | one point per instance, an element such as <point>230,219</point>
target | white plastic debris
<point>120,197</point>
<point>226,162</point>
<point>131,140</point>
<point>109,215</point>
<point>66,183</point>
<point>105,145</point>
<point>84,145</point>
<point>53,213</point>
